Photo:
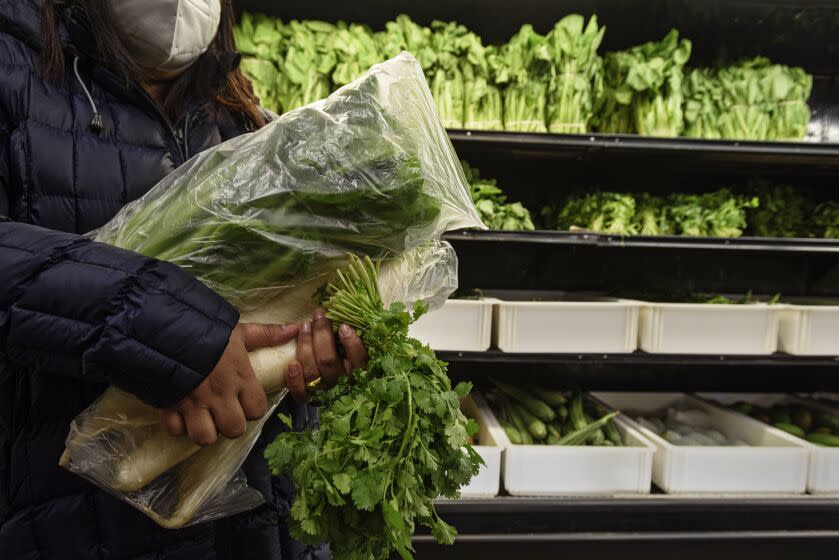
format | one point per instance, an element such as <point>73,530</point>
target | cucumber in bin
<point>535,415</point>
<point>814,425</point>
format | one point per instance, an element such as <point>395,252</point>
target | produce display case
<point>535,169</point>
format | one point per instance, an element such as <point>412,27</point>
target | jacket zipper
<point>172,130</point>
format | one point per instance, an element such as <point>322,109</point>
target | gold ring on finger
<point>313,384</point>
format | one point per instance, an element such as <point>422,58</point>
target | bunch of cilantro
<point>389,442</point>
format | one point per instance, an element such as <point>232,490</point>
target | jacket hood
<point>22,20</point>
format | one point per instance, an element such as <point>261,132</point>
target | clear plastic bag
<point>264,220</point>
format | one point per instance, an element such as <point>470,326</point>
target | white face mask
<point>166,35</point>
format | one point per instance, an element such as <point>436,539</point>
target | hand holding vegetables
<point>231,394</point>
<point>318,358</point>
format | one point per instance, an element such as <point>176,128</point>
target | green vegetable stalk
<point>389,442</point>
<point>576,73</point>
<point>751,100</point>
<point>645,83</point>
<point>525,68</point>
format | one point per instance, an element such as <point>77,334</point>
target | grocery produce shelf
<point>651,372</point>
<point>551,260</point>
<point>817,157</point>
<point>655,525</point>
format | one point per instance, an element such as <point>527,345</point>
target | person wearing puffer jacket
<point>99,100</point>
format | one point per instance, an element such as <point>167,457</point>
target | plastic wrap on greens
<point>368,171</point>
<point>265,219</point>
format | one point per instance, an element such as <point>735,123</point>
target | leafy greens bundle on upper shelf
<point>492,205</point>
<point>642,89</point>
<point>388,442</point>
<point>716,214</point>
<point>754,100</point>
<point>524,70</point>
<point>576,73</point>
<point>534,83</point>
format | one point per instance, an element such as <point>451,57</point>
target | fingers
<point>306,352</point>
<point>173,422</point>
<point>229,419</point>
<point>253,400</point>
<point>200,425</point>
<point>329,363</point>
<point>295,383</point>
<point>258,335</point>
<point>353,347</point>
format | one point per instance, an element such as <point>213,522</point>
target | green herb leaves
<point>389,442</point>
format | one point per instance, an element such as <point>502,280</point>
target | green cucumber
<point>827,440</point>
<point>612,433</point>
<point>828,420</point>
<point>538,408</point>
<point>512,433</point>
<point>550,396</point>
<point>790,429</point>
<point>577,416</point>
<point>521,426</point>
<point>802,418</point>
<point>535,426</point>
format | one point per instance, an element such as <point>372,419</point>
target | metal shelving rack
<point>536,168</point>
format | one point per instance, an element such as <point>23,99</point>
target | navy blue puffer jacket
<point>77,315</point>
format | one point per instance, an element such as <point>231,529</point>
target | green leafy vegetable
<point>491,203</point>
<point>576,77</point>
<point>716,214</point>
<point>643,88</point>
<point>753,99</point>
<point>826,220</point>
<point>388,443</point>
<point>783,212</point>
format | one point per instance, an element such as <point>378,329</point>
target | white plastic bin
<point>775,462</point>
<point>823,474</point>
<point>809,330</point>
<point>551,470</point>
<point>702,328</point>
<point>461,324</point>
<point>606,326</point>
<point>486,483</point>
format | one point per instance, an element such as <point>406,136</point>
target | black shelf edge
<point>655,526</point>
<point>672,242</point>
<point>576,261</point>
<point>642,358</point>
<point>650,372</point>
<point>821,155</point>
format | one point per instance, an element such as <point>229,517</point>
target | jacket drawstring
<point>96,124</point>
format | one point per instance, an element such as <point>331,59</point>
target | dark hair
<point>212,74</point>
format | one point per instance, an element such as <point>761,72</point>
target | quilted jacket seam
<point>104,139</point>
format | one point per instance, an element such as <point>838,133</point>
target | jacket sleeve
<point>73,307</point>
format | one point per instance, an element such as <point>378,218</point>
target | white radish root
<point>134,447</point>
